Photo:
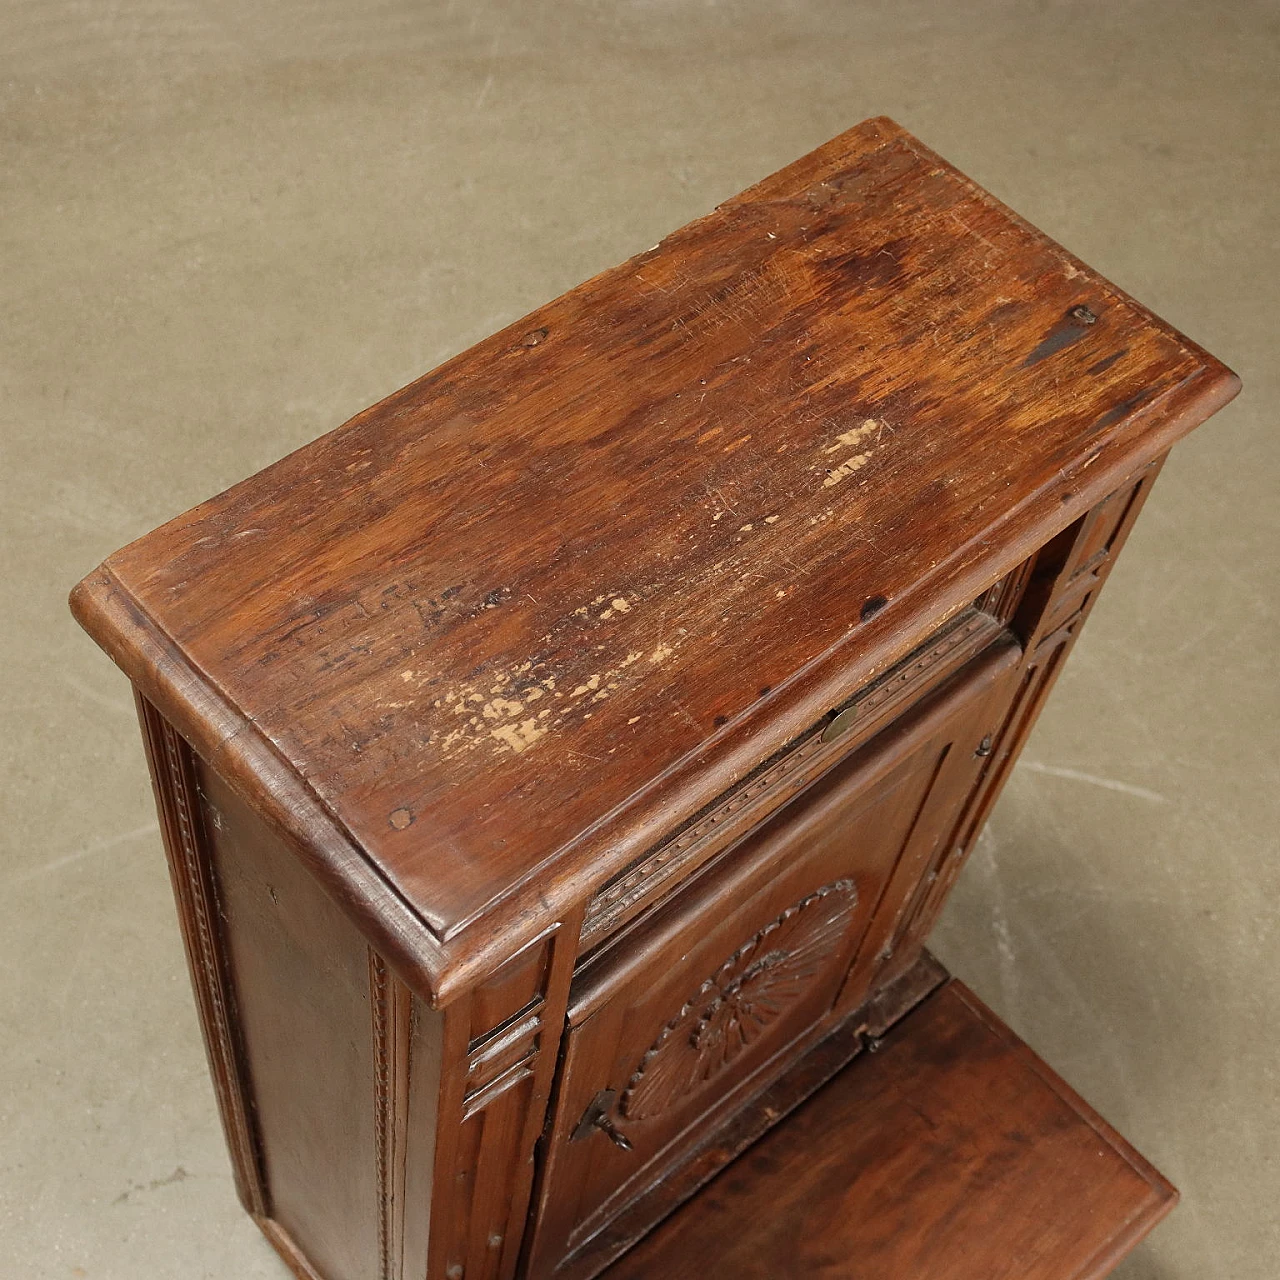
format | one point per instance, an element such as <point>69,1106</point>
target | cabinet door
<point>711,998</point>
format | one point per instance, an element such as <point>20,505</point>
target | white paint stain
<point>519,737</point>
<point>846,469</point>
<point>851,438</point>
<point>500,707</point>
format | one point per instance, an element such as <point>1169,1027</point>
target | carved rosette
<point>754,987</point>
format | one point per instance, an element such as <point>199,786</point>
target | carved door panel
<point>715,994</point>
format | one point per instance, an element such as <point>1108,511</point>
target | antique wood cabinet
<point>561,765</point>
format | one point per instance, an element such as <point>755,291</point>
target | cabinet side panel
<point>172,775</point>
<point>1067,576</point>
<point>325,1086</point>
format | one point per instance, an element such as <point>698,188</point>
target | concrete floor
<point>228,226</point>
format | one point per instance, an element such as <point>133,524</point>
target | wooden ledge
<point>954,1153</point>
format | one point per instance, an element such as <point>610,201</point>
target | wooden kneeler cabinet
<point>562,763</point>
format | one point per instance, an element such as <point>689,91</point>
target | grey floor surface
<point>225,227</point>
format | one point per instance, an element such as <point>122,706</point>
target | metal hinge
<point>597,1116</point>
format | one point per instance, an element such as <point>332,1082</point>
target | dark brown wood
<point>764,791</point>
<point>562,765</point>
<point>1059,586</point>
<point>302,981</point>
<point>751,964</point>
<point>705,1157</point>
<point>173,779</point>
<point>953,1153</point>
<point>487,641</point>
<point>492,1107</point>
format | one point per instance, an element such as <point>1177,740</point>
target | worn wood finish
<point>953,1153</point>
<point>716,995</point>
<point>808,1073</point>
<point>501,1052</point>
<point>766,790</point>
<point>562,764</point>
<point>486,641</point>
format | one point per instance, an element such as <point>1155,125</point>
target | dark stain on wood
<point>1074,324</point>
<point>1118,412</point>
<point>1103,365</point>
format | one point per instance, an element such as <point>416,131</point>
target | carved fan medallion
<point>751,990</point>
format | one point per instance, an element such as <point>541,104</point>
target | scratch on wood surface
<point>724,502</point>
<point>977,235</point>
<point>512,710</point>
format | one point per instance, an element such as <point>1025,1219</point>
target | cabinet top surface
<point>490,611</point>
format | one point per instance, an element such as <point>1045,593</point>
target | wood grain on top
<point>485,623</point>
